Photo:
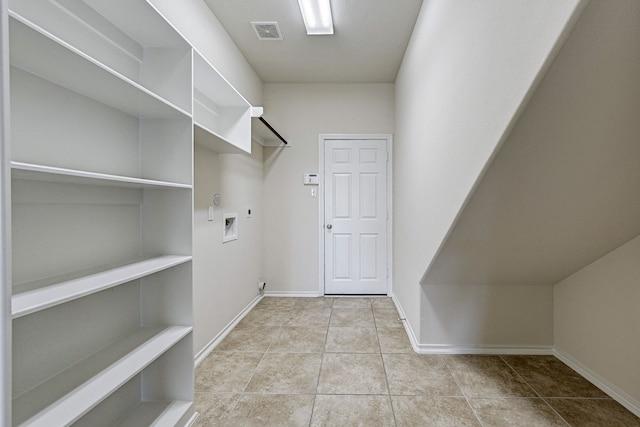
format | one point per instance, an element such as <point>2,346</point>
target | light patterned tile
<point>213,408</point>
<point>299,339</point>
<point>286,373</point>
<point>486,376</point>
<point>549,377</point>
<point>352,410</point>
<point>352,303</point>
<point>414,374</point>
<point>347,373</point>
<point>226,371</point>
<point>248,339</point>
<point>394,341</point>
<point>260,410</point>
<point>383,303</point>
<point>387,319</point>
<point>516,411</point>
<point>352,340</point>
<point>352,318</point>
<point>320,302</point>
<point>261,317</point>
<point>276,302</point>
<point>594,412</point>
<point>432,411</point>
<point>309,317</point>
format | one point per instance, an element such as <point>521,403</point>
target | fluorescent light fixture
<point>317,16</point>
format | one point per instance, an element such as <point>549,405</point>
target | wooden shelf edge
<point>29,302</point>
<point>57,174</point>
<point>73,405</point>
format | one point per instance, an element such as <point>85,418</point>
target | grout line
<point>520,376</point>
<point>264,354</point>
<point>466,398</point>
<point>386,379</point>
<point>534,390</point>
<point>322,353</point>
<point>280,326</point>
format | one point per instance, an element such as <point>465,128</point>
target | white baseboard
<point>407,326</point>
<point>484,349</point>
<point>202,354</point>
<point>309,294</point>
<point>465,349</point>
<point>193,419</point>
<point>616,394</point>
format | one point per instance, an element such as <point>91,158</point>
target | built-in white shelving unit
<point>5,223</point>
<point>221,116</point>
<point>31,301</point>
<point>101,167</point>
<point>107,100</point>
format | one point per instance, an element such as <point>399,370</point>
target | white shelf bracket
<point>257,111</point>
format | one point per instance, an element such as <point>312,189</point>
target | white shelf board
<point>89,382</point>
<point>209,139</point>
<point>127,15</point>
<point>44,55</point>
<point>72,176</point>
<point>208,81</point>
<point>39,299</point>
<point>158,414</point>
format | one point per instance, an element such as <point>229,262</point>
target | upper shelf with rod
<point>221,116</point>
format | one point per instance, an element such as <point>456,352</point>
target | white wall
<point>300,112</point>
<point>457,93</point>
<point>200,27</point>
<point>561,192</point>
<point>487,318</point>
<point>596,319</point>
<point>225,275</point>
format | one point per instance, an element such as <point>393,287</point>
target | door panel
<point>355,216</point>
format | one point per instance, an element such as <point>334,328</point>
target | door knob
<point>329,226</point>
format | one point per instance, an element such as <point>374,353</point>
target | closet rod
<point>273,130</point>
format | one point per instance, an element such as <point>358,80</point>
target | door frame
<point>322,138</point>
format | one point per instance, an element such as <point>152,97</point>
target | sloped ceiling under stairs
<point>564,189</point>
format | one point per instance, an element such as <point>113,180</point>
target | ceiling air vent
<point>267,30</point>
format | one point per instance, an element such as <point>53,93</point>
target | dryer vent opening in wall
<point>229,227</point>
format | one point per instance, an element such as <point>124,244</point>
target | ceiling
<point>369,41</point>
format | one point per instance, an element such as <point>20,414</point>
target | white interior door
<point>355,216</point>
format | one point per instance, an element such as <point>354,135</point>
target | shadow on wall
<point>271,155</point>
<point>487,316</point>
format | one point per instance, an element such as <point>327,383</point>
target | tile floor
<point>348,362</point>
